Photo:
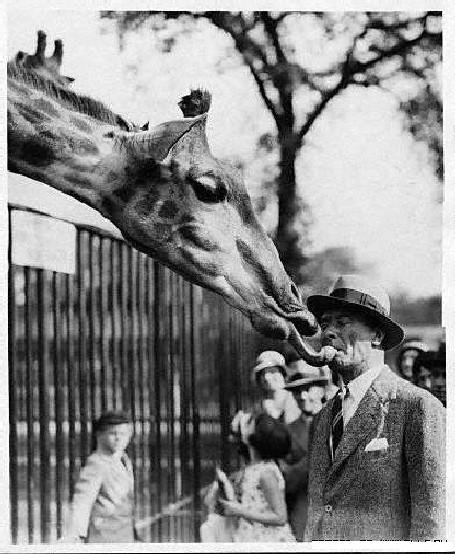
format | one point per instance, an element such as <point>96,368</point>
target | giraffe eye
<point>208,188</point>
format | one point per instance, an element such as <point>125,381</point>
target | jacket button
<point>328,509</point>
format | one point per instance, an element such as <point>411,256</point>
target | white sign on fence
<point>43,242</point>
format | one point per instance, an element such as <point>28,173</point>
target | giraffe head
<point>190,210</point>
<point>170,197</point>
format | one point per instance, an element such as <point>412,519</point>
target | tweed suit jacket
<point>102,508</point>
<point>392,494</point>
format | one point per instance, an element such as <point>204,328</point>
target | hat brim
<point>393,333</point>
<point>307,382</point>
<point>266,365</point>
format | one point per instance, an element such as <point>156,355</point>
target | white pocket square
<point>377,444</point>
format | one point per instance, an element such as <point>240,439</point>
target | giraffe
<point>161,186</point>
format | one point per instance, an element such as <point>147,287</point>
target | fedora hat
<point>361,295</point>
<point>270,358</point>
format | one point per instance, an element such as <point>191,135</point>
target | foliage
<point>417,311</point>
<point>299,62</point>
<point>326,265</point>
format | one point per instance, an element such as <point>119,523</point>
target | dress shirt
<point>357,390</point>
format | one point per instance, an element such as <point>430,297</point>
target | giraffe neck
<point>52,143</point>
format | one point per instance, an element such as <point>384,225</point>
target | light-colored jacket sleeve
<point>425,458</point>
<point>85,494</point>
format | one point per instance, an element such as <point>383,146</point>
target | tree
<point>326,265</point>
<point>369,49</point>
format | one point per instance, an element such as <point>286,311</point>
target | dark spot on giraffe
<point>125,192</point>
<point>187,218</point>
<point>168,210</point>
<point>48,134</point>
<point>193,234</point>
<point>36,151</point>
<point>245,209</point>
<point>46,106</point>
<point>108,206</point>
<point>33,116</point>
<point>82,182</point>
<point>144,172</point>
<point>147,202</point>
<point>112,176</point>
<point>81,124</point>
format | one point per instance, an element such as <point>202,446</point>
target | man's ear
<point>377,339</point>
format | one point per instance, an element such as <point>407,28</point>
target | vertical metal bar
<point>170,396</point>
<point>158,301</point>
<point>113,351</point>
<point>195,421</point>
<point>184,388</point>
<point>44,439</point>
<point>12,386</point>
<point>82,342</point>
<point>132,370</point>
<point>153,393</point>
<point>104,322</point>
<point>29,296</point>
<point>71,365</point>
<point>140,377</point>
<point>59,394</point>
<point>124,326</point>
<point>92,330</point>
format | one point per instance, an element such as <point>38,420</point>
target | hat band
<point>360,298</point>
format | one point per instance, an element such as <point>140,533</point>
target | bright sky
<point>369,186</point>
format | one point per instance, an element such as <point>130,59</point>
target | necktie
<point>337,421</point>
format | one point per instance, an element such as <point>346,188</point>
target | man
<point>307,385</point>
<point>377,467</point>
<point>269,374</point>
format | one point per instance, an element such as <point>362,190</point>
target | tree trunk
<point>291,236</point>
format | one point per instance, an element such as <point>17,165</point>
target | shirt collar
<point>359,386</point>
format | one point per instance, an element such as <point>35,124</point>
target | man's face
<point>309,399</point>
<point>407,362</point>
<point>115,438</point>
<point>350,334</point>
<point>272,379</point>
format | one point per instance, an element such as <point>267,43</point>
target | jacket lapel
<point>367,417</point>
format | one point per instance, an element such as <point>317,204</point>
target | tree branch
<point>351,67</point>
<point>244,44</point>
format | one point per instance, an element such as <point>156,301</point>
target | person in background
<point>429,372</point>
<point>308,386</point>
<point>270,375</point>
<point>102,508</point>
<point>261,513</point>
<point>408,353</point>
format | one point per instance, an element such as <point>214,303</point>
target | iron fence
<point>122,332</point>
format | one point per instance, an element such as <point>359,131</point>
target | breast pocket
<point>385,459</point>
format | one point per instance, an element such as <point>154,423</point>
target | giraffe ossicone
<point>161,186</point>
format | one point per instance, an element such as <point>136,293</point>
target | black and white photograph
<point>224,283</point>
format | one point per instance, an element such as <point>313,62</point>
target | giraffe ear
<point>158,141</point>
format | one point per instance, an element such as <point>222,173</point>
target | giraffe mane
<point>80,103</point>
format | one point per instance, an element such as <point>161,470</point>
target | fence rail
<point>122,332</point>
